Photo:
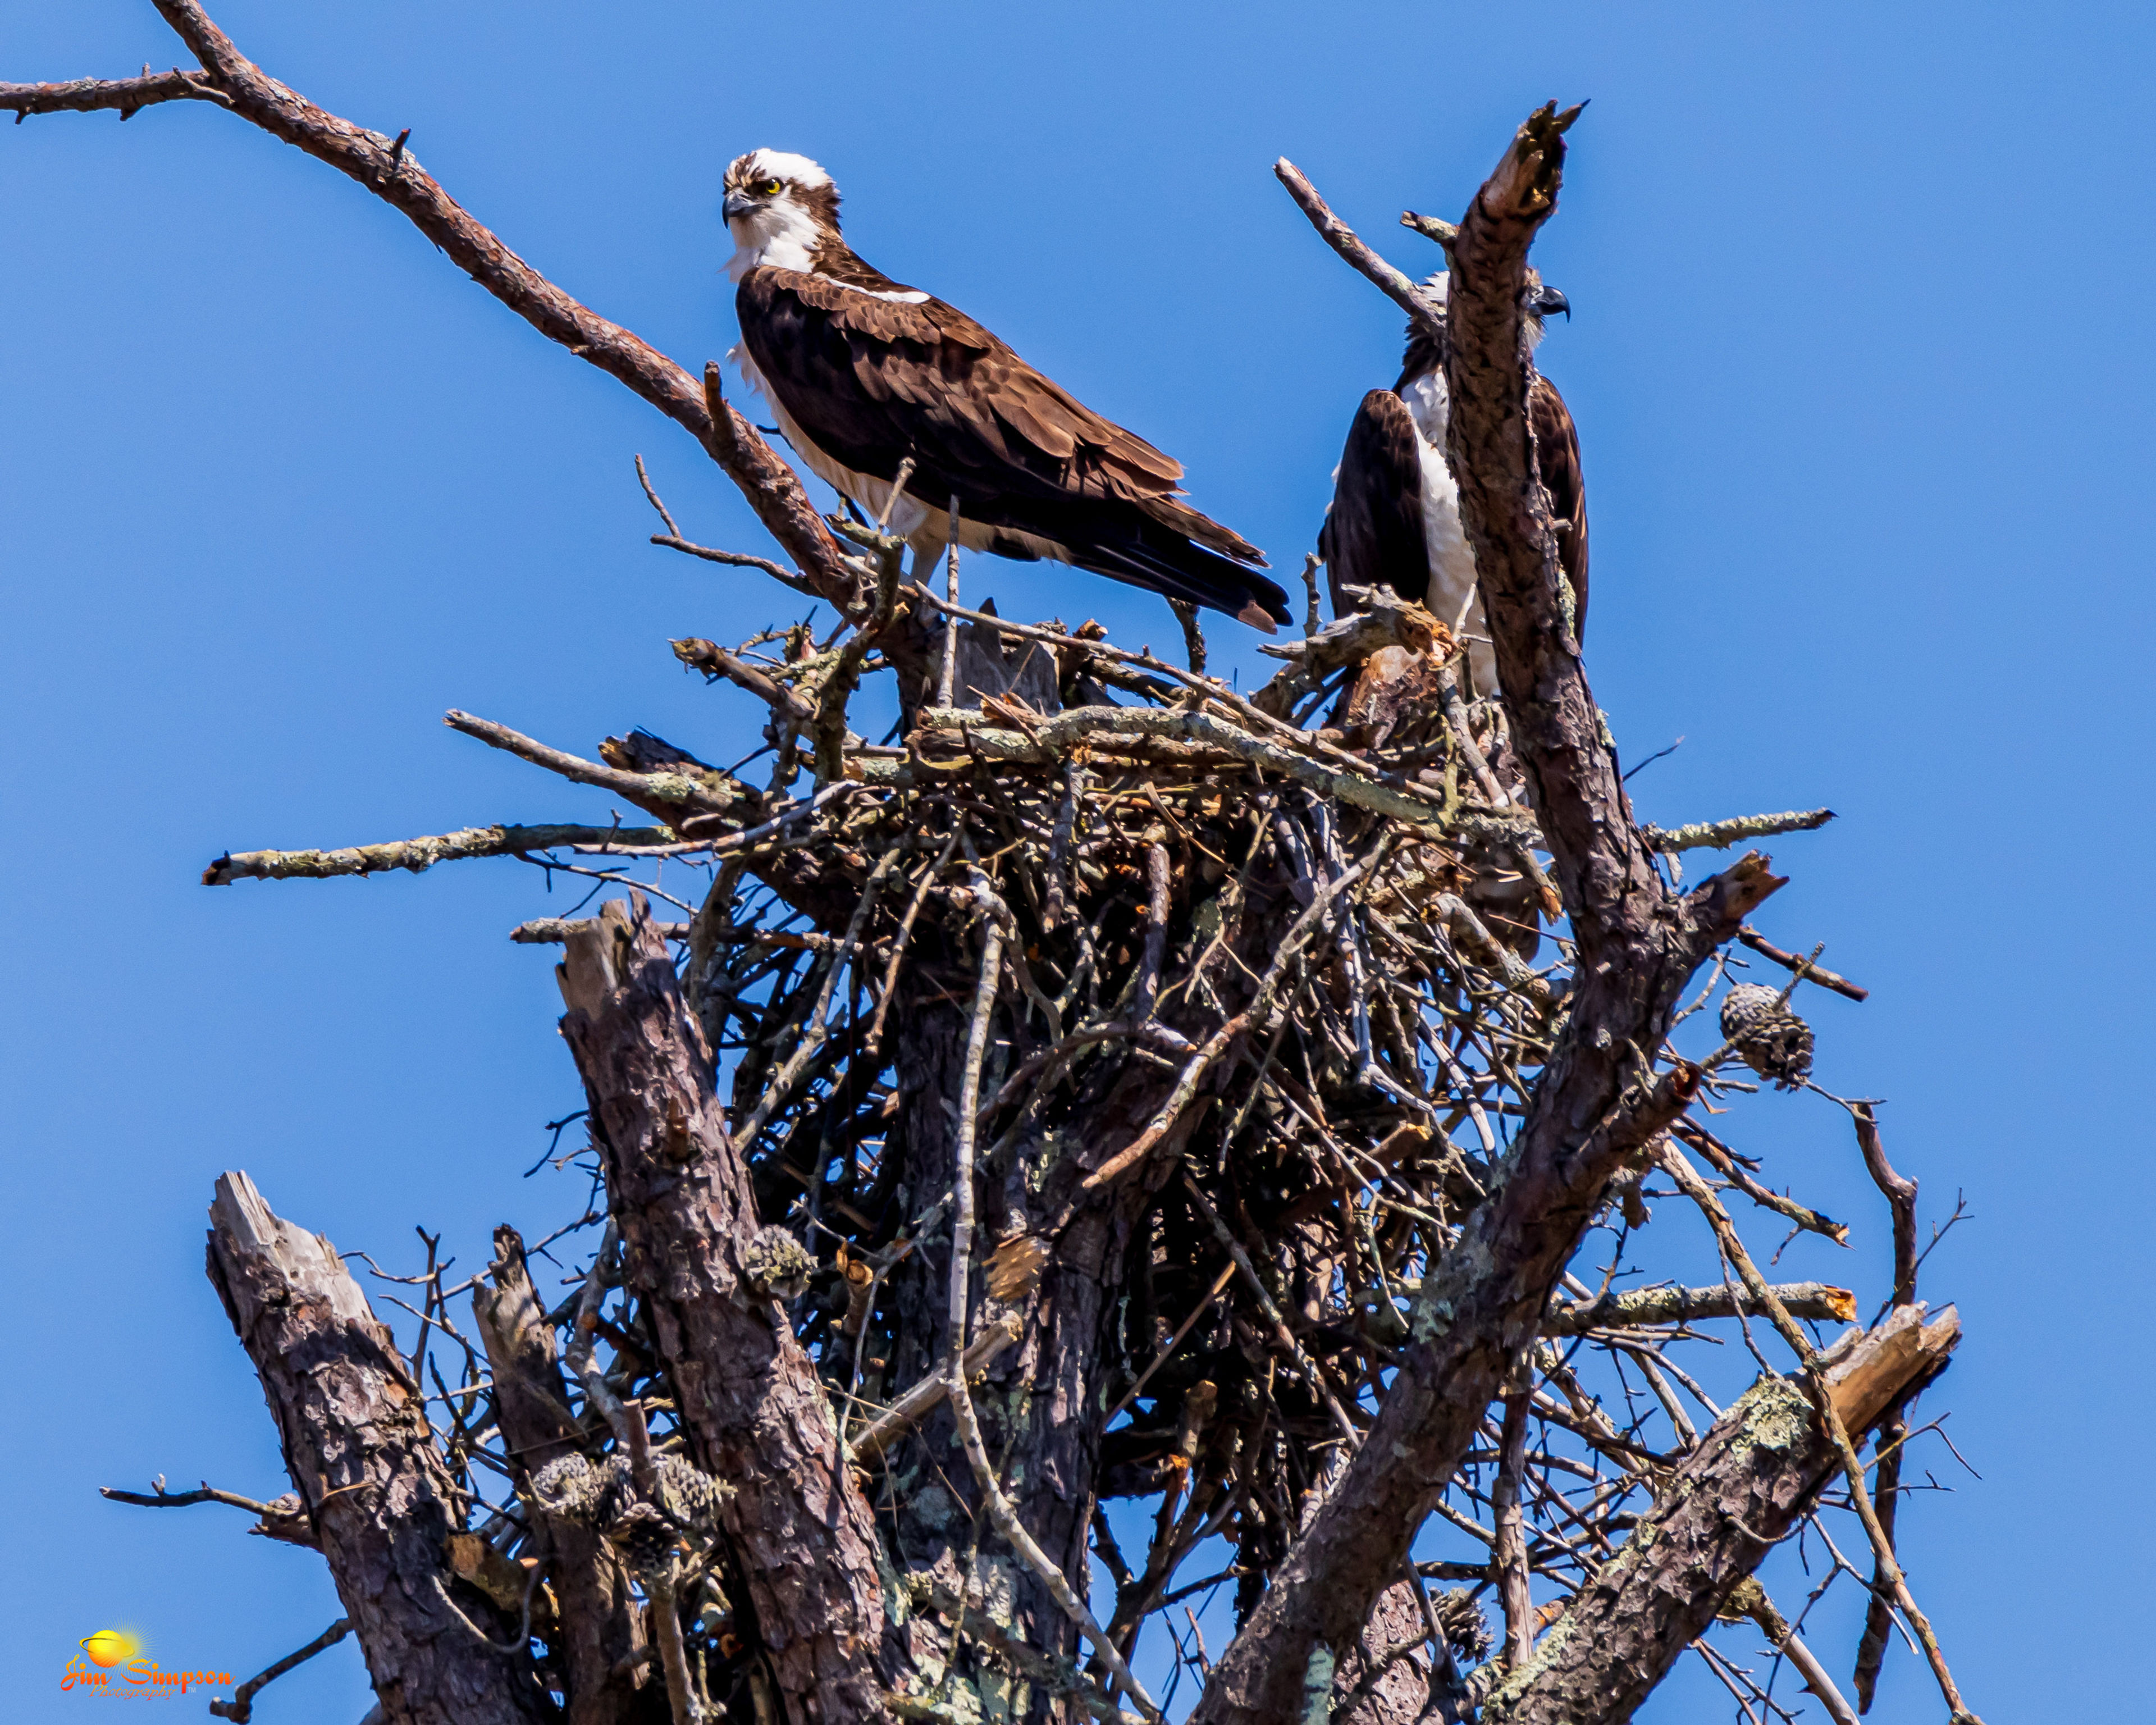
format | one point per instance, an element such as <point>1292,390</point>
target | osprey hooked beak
<point>737,204</point>
<point>1545,301</point>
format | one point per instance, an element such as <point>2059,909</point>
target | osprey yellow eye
<point>770,188</point>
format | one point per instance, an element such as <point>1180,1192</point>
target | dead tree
<point>1119,1088</point>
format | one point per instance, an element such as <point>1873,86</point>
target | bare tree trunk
<point>749,1397</point>
<point>363,1459</point>
<point>1381,1680</point>
<point>1594,1109</point>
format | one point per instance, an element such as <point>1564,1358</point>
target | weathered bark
<point>1752,1478</point>
<point>1369,1687</point>
<point>1594,1108</point>
<point>602,1626</point>
<point>1900,1194</point>
<point>129,95</point>
<point>362,1457</point>
<point>754,1414</point>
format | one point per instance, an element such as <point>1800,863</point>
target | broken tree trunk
<point>1752,1478</point>
<point>364,1461</point>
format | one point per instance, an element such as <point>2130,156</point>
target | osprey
<point>1395,520</point>
<point>862,373</point>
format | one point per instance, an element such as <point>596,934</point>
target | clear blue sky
<point>1860,363</point>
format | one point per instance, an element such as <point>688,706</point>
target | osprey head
<point>1538,300</point>
<point>779,207</point>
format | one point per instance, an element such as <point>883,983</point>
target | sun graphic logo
<point>108,1647</point>
<point>101,1652</point>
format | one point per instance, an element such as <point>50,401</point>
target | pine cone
<point>1774,1042</point>
<point>569,1486</point>
<point>777,1264</point>
<point>689,1495</point>
<point>645,1538</point>
<point>1466,1631</point>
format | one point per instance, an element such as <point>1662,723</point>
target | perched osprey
<point>1395,515</point>
<point>863,371</point>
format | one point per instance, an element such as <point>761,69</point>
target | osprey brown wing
<point>1372,535</point>
<point>1556,449</point>
<point>872,379</point>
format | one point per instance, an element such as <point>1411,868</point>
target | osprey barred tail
<point>863,371</point>
<point>1394,520</point>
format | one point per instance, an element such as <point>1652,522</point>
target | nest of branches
<point>1247,994</point>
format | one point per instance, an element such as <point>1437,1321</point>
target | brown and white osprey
<point>863,371</point>
<point>1395,515</point>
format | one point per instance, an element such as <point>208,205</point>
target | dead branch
<point>1748,1599</point>
<point>419,854</point>
<point>1645,1306</point>
<point>281,1520</point>
<point>677,796</point>
<point>714,660</point>
<point>241,1707</point>
<point>1746,1485</point>
<point>1812,973</point>
<point>129,95</point>
<point>1717,1153</point>
<point>1900,1192</point>
<point>1336,233</point>
<point>1721,835</point>
<point>1069,731</point>
<point>866,1448</point>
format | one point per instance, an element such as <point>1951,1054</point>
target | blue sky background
<point>1861,361</point>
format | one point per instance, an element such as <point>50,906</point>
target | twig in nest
<point>947,672</point>
<point>736,559</point>
<point>898,486</point>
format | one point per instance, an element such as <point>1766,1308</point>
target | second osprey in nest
<point>1395,520</point>
<point>862,373</point>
